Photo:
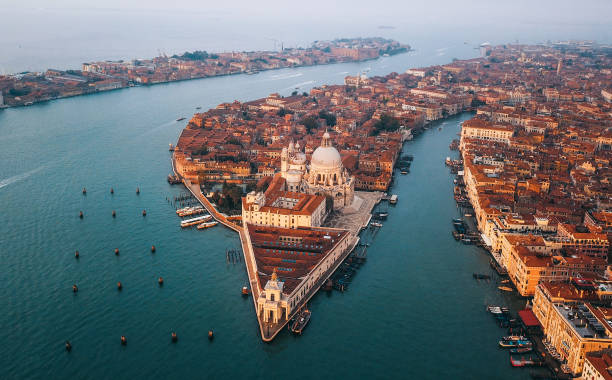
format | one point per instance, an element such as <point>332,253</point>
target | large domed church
<point>324,176</point>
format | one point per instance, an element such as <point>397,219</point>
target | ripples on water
<point>413,309</point>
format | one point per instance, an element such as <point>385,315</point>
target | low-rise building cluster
<point>27,88</point>
<point>535,166</point>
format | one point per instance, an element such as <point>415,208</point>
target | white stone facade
<point>324,176</point>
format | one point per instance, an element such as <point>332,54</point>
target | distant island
<point>31,87</point>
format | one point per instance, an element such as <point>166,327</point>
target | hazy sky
<point>35,34</point>
<point>420,12</point>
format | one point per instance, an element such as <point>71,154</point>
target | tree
<point>198,55</point>
<point>386,123</point>
<point>294,93</point>
<point>330,118</point>
<point>310,122</point>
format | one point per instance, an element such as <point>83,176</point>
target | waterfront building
<point>598,366</point>
<point>527,268</point>
<point>576,330</point>
<point>484,130</point>
<point>292,264</point>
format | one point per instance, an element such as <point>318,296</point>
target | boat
<point>515,343</point>
<point>458,220</point>
<point>301,320</point>
<point>393,199</point>
<point>180,119</point>
<point>513,338</point>
<point>198,108</point>
<point>467,215</point>
<point>245,291</point>
<point>522,350</point>
<point>505,288</point>
<point>188,211</point>
<point>439,128</point>
<point>523,362</point>
<point>376,224</point>
<point>196,220</point>
<point>479,276</point>
<point>403,172</point>
<point>207,225</point>
<point>171,148</point>
<point>380,215</point>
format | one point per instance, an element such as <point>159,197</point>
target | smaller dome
<point>300,158</point>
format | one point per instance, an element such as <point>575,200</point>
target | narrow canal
<point>412,311</point>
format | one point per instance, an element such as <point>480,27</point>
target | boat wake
<point>148,132</point>
<point>19,177</point>
<point>442,51</point>
<point>298,85</point>
<point>285,76</point>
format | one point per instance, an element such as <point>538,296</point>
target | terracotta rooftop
<point>293,253</point>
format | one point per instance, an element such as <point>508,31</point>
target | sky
<point>37,34</point>
<point>420,12</point>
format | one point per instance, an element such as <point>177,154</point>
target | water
<point>413,309</point>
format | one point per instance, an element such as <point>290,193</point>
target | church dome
<point>326,157</point>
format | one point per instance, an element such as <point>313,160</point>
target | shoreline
<point>127,83</point>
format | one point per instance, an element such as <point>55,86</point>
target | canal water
<point>412,311</point>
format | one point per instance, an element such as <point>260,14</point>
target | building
<point>575,331</point>
<point>527,269</point>
<point>324,176</point>
<point>279,208</point>
<point>572,322</point>
<point>293,166</point>
<point>293,263</point>
<point>598,366</point>
<point>581,241</point>
<point>484,130</point>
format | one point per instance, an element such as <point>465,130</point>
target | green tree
<point>310,122</point>
<point>330,118</point>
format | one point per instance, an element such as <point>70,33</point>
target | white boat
<point>376,224</point>
<point>191,211</point>
<point>207,225</point>
<point>393,199</point>
<point>196,220</point>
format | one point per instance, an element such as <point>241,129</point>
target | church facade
<point>324,176</point>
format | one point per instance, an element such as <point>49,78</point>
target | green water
<point>412,311</point>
